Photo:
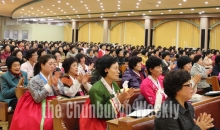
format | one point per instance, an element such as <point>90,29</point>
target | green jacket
<point>100,98</point>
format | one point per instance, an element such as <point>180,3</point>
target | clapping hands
<point>204,121</point>
<point>21,82</point>
<point>125,95</point>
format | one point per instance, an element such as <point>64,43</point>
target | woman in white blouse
<point>74,84</point>
<point>82,67</point>
<point>207,60</point>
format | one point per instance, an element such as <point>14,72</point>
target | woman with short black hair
<point>135,74</point>
<point>216,68</point>
<point>152,87</point>
<point>104,92</point>
<point>199,69</point>
<point>18,53</point>
<point>72,81</point>
<point>176,113</point>
<point>11,79</point>
<point>82,67</point>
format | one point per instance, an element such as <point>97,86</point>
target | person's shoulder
<point>23,72</point>
<point>6,74</point>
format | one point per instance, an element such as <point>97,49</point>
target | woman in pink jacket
<point>152,86</point>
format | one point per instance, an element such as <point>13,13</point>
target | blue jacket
<point>134,80</point>
<point>8,84</point>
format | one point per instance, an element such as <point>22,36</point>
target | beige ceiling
<point>75,9</point>
<point>8,6</point>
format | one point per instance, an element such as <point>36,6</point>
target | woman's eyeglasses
<point>188,85</point>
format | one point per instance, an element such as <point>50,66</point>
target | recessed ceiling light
<point>144,14</point>
<point>25,14</point>
<point>217,8</point>
<point>48,9</point>
<point>119,1</point>
<point>38,10</point>
<point>53,5</point>
<point>54,13</point>
<point>71,6</point>
<point>137,3</point>
<point>100,16</point>
<point>181,12</point>
<point>67,3</point>
<point>100,3</point>
<point>59,1</point>
<point>32,13</point>
<point>170,10</point>
<point>77,15</point>
<point>45,14</point>
<point>180,4</point>
<point>136,6</point>
<point>161,13</point>
<point>81,1</point>
<point>132,12</point>
<point>157,5</point>
<point>118,5</point>
<point>113,15</point>
<point>203,11</point>
<point>200,12</point>
<point>41,12</point>
<point>64,12</point>
<point>103,9</point>
<point>42,6</point>
<point>159,2</point>
<point>22,9</point>
<point>51,11</point>
<point>76,11</point>
<point>184,0</point>
<point>101,6</point>
<point>150,11</point>
<point>21,12</point>
<point>139,0</point>
<point>119,8</point>
<point>61,10</point>
<point>60,18</point>
<point>206,2</point>
<point>128,14</point>
<point>97,0</point>
<point>85,5</point>
<point>29,11</point>
<point>116,13</point>
<point>89,10</point>
<point>32,8</point>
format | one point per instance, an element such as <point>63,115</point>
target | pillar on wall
<point>204,29</point>
<point>148,32</point>
<point>75,30</point>
<point>2,23</point>
<point>106,26</point>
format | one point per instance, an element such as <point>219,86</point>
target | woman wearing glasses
<point>176,113</point>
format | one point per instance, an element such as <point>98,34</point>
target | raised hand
<point>79,77</point>
<point>85,79</point>
<point>204,121</point>
<point>196,78</point>
<point>20,82</point>
<point>125,95</point>
<point>53,80</point>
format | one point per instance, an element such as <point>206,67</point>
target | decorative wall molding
<point>214,25</point>
<point>88,23</point>
<point>119,22</point>
<point>184,20</point>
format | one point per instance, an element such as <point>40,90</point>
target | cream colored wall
<point>127,33</point>
<point>68,33</point>
<point>176,33</point>
<point>44,32</point>
<point>91,32</point>
<point>214,34</point>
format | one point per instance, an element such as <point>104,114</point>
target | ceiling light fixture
<point>217,8</point>
<point>119,8</point>
<point>180,4</point>
<point>161,13</point>
<point>59,1</point>
<point>137,3</point>
<point>206,2</point>
<point>132,12</point>
<point>67,3</point>
<point>22,9</point>
<point>184,0</point>
<point>157,5</point>
<point>181,12</point>
<point>81,1</point>
<point>42,6</point>
<point>170,10</point>
<point>159,2</point>
<point>150,11</point>
<point>144,14</point>
<point>53,5</point>
<point>137,7</point>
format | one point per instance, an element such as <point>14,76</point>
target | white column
<point>148,25</point>
<point>204,24</point>
<point>106,31</point>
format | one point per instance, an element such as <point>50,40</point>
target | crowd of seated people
<point>50,69</point>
